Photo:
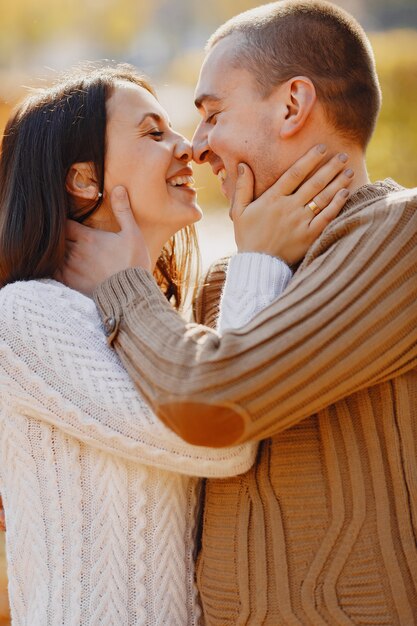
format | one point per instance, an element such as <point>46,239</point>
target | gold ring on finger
<point>314,208</point>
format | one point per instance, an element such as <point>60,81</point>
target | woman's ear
<point>81,181</point>
<point>300,97</point>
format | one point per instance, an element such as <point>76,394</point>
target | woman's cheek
<point>137,212</point>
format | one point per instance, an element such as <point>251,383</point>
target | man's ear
<point>81,181</point>
<point>300,97</point>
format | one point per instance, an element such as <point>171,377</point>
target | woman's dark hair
<point>51,130</point>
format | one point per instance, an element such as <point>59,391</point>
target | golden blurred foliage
<point>27,22</point>
<point>393,149</point>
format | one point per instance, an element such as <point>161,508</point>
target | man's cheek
<point>221,142</point>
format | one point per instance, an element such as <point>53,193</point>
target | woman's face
<point>152,161</point>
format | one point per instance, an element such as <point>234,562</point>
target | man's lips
<point>221,175</point>
<point>219,170</point>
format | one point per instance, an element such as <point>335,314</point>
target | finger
<point>74,231</point>
<point>120,205</point>
<point>320,179</point>
<point>243,192</point>
<point>342,181</point>
<point>323,219</point>
<point>297,173</point>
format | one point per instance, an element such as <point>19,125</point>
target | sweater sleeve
<point>253,281</point>
<point>55,366</point>
<point>347,321</point>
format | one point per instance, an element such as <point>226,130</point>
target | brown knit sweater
<point>323,529</point>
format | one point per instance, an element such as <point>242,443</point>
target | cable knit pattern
<point>253,281</point>
<point>100,497</point>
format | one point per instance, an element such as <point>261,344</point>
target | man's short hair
<point>318,40</point>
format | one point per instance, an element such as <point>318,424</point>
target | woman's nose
<point>184,151</point>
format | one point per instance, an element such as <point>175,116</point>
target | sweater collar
<point>372,191</point>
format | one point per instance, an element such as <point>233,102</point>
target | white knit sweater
<point>100,498</point>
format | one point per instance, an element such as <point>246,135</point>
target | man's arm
<point>347,321</point>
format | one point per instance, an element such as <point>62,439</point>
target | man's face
<point>237,125</point>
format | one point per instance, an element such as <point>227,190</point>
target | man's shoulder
<point>374,205</point>
<point>383,212</point>
<point>381,194</point>
<point>401,198</point>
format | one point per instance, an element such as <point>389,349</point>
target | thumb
<point>120,205</point>
<point>243,192</point>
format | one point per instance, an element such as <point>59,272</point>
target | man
<point>323,529</point>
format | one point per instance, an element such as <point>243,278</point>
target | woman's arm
<point>55,366</point>
<point>253,281</point>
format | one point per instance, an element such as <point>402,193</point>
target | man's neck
<point>358,164</point>
<point>320,131</point>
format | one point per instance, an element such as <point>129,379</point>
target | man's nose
<point>201,149</point>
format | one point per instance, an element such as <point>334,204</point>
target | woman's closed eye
<point>158,134</point>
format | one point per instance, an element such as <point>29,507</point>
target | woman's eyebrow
<point>154,116</point>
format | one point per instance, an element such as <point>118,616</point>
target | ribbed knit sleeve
<point>347,321</point>
<point>55,366</point>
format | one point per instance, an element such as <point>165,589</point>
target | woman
<point>100,498</point>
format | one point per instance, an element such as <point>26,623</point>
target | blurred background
<point>165,39</point>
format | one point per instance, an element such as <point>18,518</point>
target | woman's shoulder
<point>41,301</point>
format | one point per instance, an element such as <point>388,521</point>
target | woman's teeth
<point>221,175</point>
<point>178,181</point>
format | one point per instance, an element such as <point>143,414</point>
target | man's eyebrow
<point>205,97</point>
